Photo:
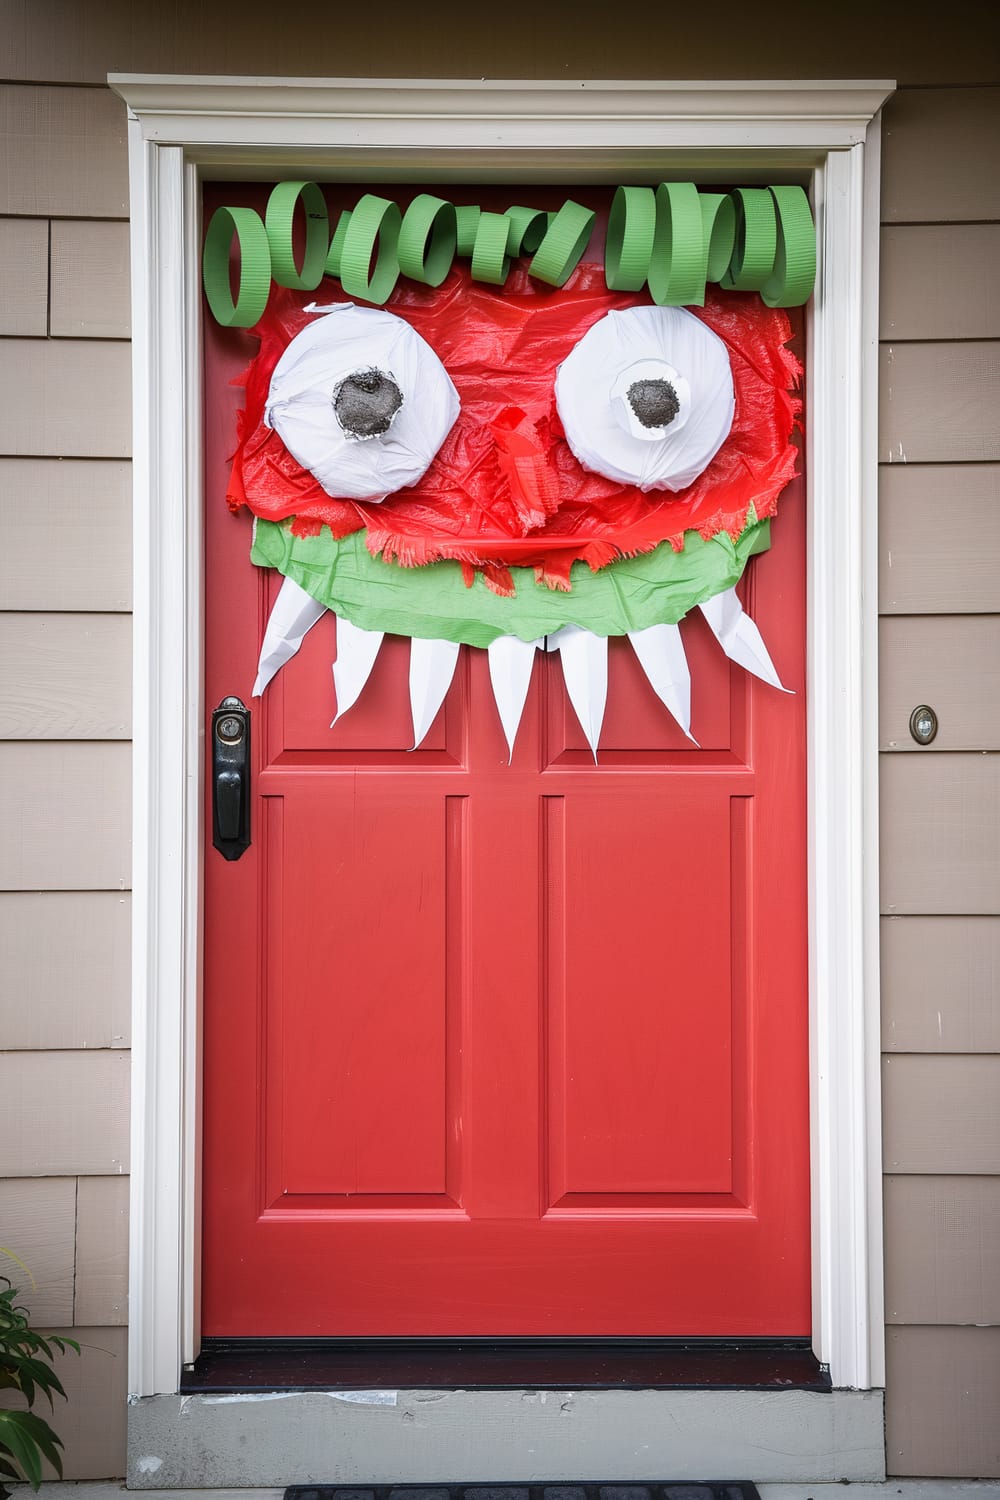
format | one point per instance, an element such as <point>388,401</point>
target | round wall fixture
<point>923,724</point>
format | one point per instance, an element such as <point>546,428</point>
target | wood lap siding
<point>939,444</point>
<point>65,721</point>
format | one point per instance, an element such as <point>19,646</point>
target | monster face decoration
<point>515,468</point>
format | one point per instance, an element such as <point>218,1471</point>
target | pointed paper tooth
<point>432,666</point>
<point>294,613</point>
<point>661,655</point>
<point>585,673</point>
<point>511,661</point>
<point>356,653</point>
<point>739,637</point>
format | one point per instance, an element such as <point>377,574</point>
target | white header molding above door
<point>823,134</point>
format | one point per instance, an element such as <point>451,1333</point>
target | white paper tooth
<point>511,661</point>
<point>585,673</point>
<point>294,614</point>
<point>661,655</point>
<point>356,653</point>
<point>739,637</point>
<point>432,666</point>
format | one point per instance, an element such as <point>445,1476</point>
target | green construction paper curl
<point>629,246</point>
<point>527,229</point>
<point>466,220</point>
<point>427,239</point>
<point>756,240</point>
<point>433,603</point>
<point>255,267</point>
<point>332,267</point>
<point>561,250</point>
<point>490,261</point>
<point>794,273</point>
<point>373,233</point>
<point>718,229</point>
<point>678,263</point>
<point>278,220</point>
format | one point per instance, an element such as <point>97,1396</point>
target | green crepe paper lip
<point>427,239</point>
<point>433,602</point>
<point>629,244</point>
<point>791,282</point>
<point>562,247</point>
<point>677,265</point>
<point>756,240</point>
<point>372,232</point>
<point>490,261</point>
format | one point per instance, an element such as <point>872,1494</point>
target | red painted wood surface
<point>502,1050</point>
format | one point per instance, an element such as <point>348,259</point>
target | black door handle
<point>231,778</point>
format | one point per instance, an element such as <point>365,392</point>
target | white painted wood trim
<point>567,131</point>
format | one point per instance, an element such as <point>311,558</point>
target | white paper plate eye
<point>361,401</point>
<point>646,397</point>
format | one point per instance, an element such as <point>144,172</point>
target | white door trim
<point>824,134</point>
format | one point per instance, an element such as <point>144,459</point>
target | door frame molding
<point>824,134</point>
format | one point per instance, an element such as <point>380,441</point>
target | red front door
<point>506,1050</point>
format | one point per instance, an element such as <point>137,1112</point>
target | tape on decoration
<point>490,261</point>
<point>466,219</point>
<point>279,219</point>
<point>794,273</point>
<point>332,267</point>
<point>369,260</point>
<point>629,248</point>
<point>561,250</point>
<point>678,262</point>
<point>254,269</point>
<point>527,229</point>
<point>756,240</point>
<point>427,239</point>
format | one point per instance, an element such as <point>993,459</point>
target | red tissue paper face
<point>505,489</point>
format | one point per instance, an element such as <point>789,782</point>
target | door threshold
<point>231,1366</point>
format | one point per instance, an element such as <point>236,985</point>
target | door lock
<point>231,778</point>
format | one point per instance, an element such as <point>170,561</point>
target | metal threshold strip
<point>235,1365</point>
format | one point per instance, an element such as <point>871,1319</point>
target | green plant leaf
<point>21,1446</point>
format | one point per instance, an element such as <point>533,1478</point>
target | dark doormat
<point>562,1490</point>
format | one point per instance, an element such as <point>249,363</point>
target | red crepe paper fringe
<point>505,490</point>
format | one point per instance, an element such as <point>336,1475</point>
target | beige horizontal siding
<point>939,281</point>
<point>941,984</point>
<point>939,845</point>
<point>941,1114</point>
<point>66,152</point>
<point>942,1249</point>
<point>91,1421</point>
<point>938,403</point>
<point>67,676</point>
<point>24,277</point>
<point>939,538</point>
<point>68,816</point>
<point>66,969</point>
<point>63,1113</point>
<point>939,154</point>
<point>90,280</point>
<point>38,1225</point>
<point>101,1285</point>
<point>942,1415</point>
<point>952,664</point>
<point>65,397</point>
<point>67,528</point>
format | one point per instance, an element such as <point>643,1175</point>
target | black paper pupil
<point>654,402</point>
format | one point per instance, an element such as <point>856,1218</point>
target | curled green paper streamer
<point>756,240</point>
<point>561,250</point>
<point>629,247</point>
<point>678,262</point>
<point>374,227</point>
<point>527,229</point>
<point>490,261</point>
<point>794,274</point>
<point>433,603</point>
<point>278,220</point>
<point>427,239</point>
<point>332,267</point>
<point>255,267</point>
<point>718,229</point>
<point>466,219</point>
